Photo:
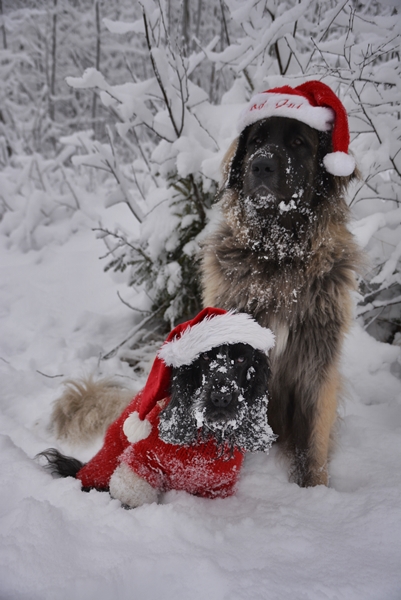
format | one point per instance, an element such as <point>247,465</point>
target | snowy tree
<point>161,123</point>
<point>354,48</point>
<point>162,90</point>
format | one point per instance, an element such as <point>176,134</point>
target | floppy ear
<point>333,185</point>
<point>255,434</point>
<point>177,425</point>
<point>232,162</point>
<point>260,376</point>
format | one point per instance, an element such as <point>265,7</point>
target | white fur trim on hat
<point>339,164</point>
<point>135,429</point>
<point>292,106</point>
<point>230,328</point>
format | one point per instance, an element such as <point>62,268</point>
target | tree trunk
<point>97,62</point>
<point>52,91</point>
<point>3,27</point>
<point>185,26</point>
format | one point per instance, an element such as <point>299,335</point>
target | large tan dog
<point>283,253</point>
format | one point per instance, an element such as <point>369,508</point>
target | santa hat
<point>211,327</point>
<point>313,103</point>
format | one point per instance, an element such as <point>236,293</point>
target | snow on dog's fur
<point>216,410</point>
<point>202,407</point>
<point>283,253</point>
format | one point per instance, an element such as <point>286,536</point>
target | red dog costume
<point>134,463</point>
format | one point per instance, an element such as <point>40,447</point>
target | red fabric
<point>97,472</point>
<point>320,94</point>
<point>157,385</point>
<point>198,469</point>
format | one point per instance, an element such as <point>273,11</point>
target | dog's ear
<point>177,424</point>
<point>333,185</point>
<point>258,376</point>
<point>233,161</point>
<point>255,434</point>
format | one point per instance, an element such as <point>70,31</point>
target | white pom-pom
<point>135,429</point>
<point>339,164</point>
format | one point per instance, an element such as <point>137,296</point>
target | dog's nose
<point>263,165</point>
<point>221,399</point>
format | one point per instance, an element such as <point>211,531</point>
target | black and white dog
<point>192,423</point>
<point>222,393</point>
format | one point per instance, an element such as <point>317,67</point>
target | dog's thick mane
<point>273,265</point>
<point>276,282</point>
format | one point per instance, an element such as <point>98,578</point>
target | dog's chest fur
<point>280,294</point>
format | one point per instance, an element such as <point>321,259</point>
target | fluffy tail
<point>59,464</point>
<point>86,408</point>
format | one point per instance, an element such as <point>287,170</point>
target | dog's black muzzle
<point>263,172</point>
<point>220,399</point>
<point>221,391</point>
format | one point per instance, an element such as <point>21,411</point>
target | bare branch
<point>134,331</point>
<point>146,312</point>
<point>158,78</point>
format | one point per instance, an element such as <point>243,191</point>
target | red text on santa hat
<point>257,106</point>
<point>286,102</point>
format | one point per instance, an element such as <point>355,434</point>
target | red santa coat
<point>199,469</point>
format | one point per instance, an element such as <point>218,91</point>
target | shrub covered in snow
<point>176,116</point>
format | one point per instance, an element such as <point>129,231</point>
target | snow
<point>59,312</point>
<point>120,27</point>
<point>91,78</point>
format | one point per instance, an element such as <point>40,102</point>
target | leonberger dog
<point>282,252</point>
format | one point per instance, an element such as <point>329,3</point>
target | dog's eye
<point>205,356</point>
<point>240,359</point>
<point>297,141</point>
<point>255,143</point>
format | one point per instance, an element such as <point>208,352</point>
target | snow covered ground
<point>272,540</point>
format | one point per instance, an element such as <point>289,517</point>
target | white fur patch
<point>230,328</point>
<point>135,429</point>
<point>126,486</point>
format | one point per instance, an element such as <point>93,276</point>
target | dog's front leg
<point>313,420</point>
<point>130,489</point>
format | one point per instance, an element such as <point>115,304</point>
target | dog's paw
<point>130,489</point>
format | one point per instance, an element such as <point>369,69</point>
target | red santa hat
<point>313,103</point>
<point>211,327</point>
